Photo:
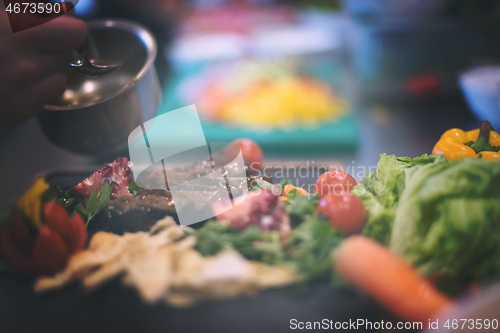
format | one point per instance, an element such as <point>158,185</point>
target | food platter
<point>271,255</point>
<point>114,308</point>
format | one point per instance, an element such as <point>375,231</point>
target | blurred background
<point>334,80</point>
<point>391,70</point>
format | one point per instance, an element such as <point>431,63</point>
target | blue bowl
<point>389,8</point>
<point>481,88</point>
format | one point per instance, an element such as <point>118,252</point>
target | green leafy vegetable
<point>88,208</point>
<point>447,220</point>
<point>252,242</point>
<point>380,192</point>
<point>442,216</point>
<point>300,207</point>
<point>262,184</point>
<point>419,160</point>
<point>312,243</point>
<point>98,200</point>
<point>133,187</point>
<point>293,194</point>
<point>67,200</point>
<point>285,182</point>
<point>308,249</point>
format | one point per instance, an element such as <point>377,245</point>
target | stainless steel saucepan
<point>95,115</point>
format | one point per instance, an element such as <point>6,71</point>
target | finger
<point>50,64</point>
<point>49,88</point>
<point>32,68</point>
<point>63,34</point>
<point>27,104</point>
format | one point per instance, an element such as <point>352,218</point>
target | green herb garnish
<point>253,243</point>
<point>312,245</point>
<point>133,187</point>
<point>98,200</point>
<point>264,185</point>
<point>308,248</point>
<point>88,208</point>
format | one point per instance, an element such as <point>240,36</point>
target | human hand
<point>31,63</point>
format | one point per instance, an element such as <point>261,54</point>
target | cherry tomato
<point>251,152</point>
<point>345,211</point>
<point>334,182</point>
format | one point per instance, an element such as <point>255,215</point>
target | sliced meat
<point>139,212</point>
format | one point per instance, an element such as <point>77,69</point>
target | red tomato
<point>50,254</point>
<point>334,182</point>
<point>252,153</point>
<point>345,211</point>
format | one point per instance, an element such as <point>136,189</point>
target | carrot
<point>387,277</point>
<point>302,191</point>
<point>289,188</point>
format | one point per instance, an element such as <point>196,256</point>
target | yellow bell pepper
<point>31,201</point>
<point>455,143</point>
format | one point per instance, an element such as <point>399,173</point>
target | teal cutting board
<point>339,137</point>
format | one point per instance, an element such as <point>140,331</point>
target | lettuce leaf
<point>380,192</point>
<point>447,223</point>
<point>442,216</point>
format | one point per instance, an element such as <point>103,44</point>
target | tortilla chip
<point>151,275</point>
<point>164,265</point>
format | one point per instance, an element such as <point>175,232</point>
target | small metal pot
<point>95,116</point>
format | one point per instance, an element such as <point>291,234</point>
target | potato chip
<point>164,265</point>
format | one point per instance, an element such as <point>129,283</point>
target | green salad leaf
<point>442,216</point>
<point>447,222</point>
<point>380,192</point>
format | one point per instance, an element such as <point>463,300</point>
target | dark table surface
<point>114,308</point>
